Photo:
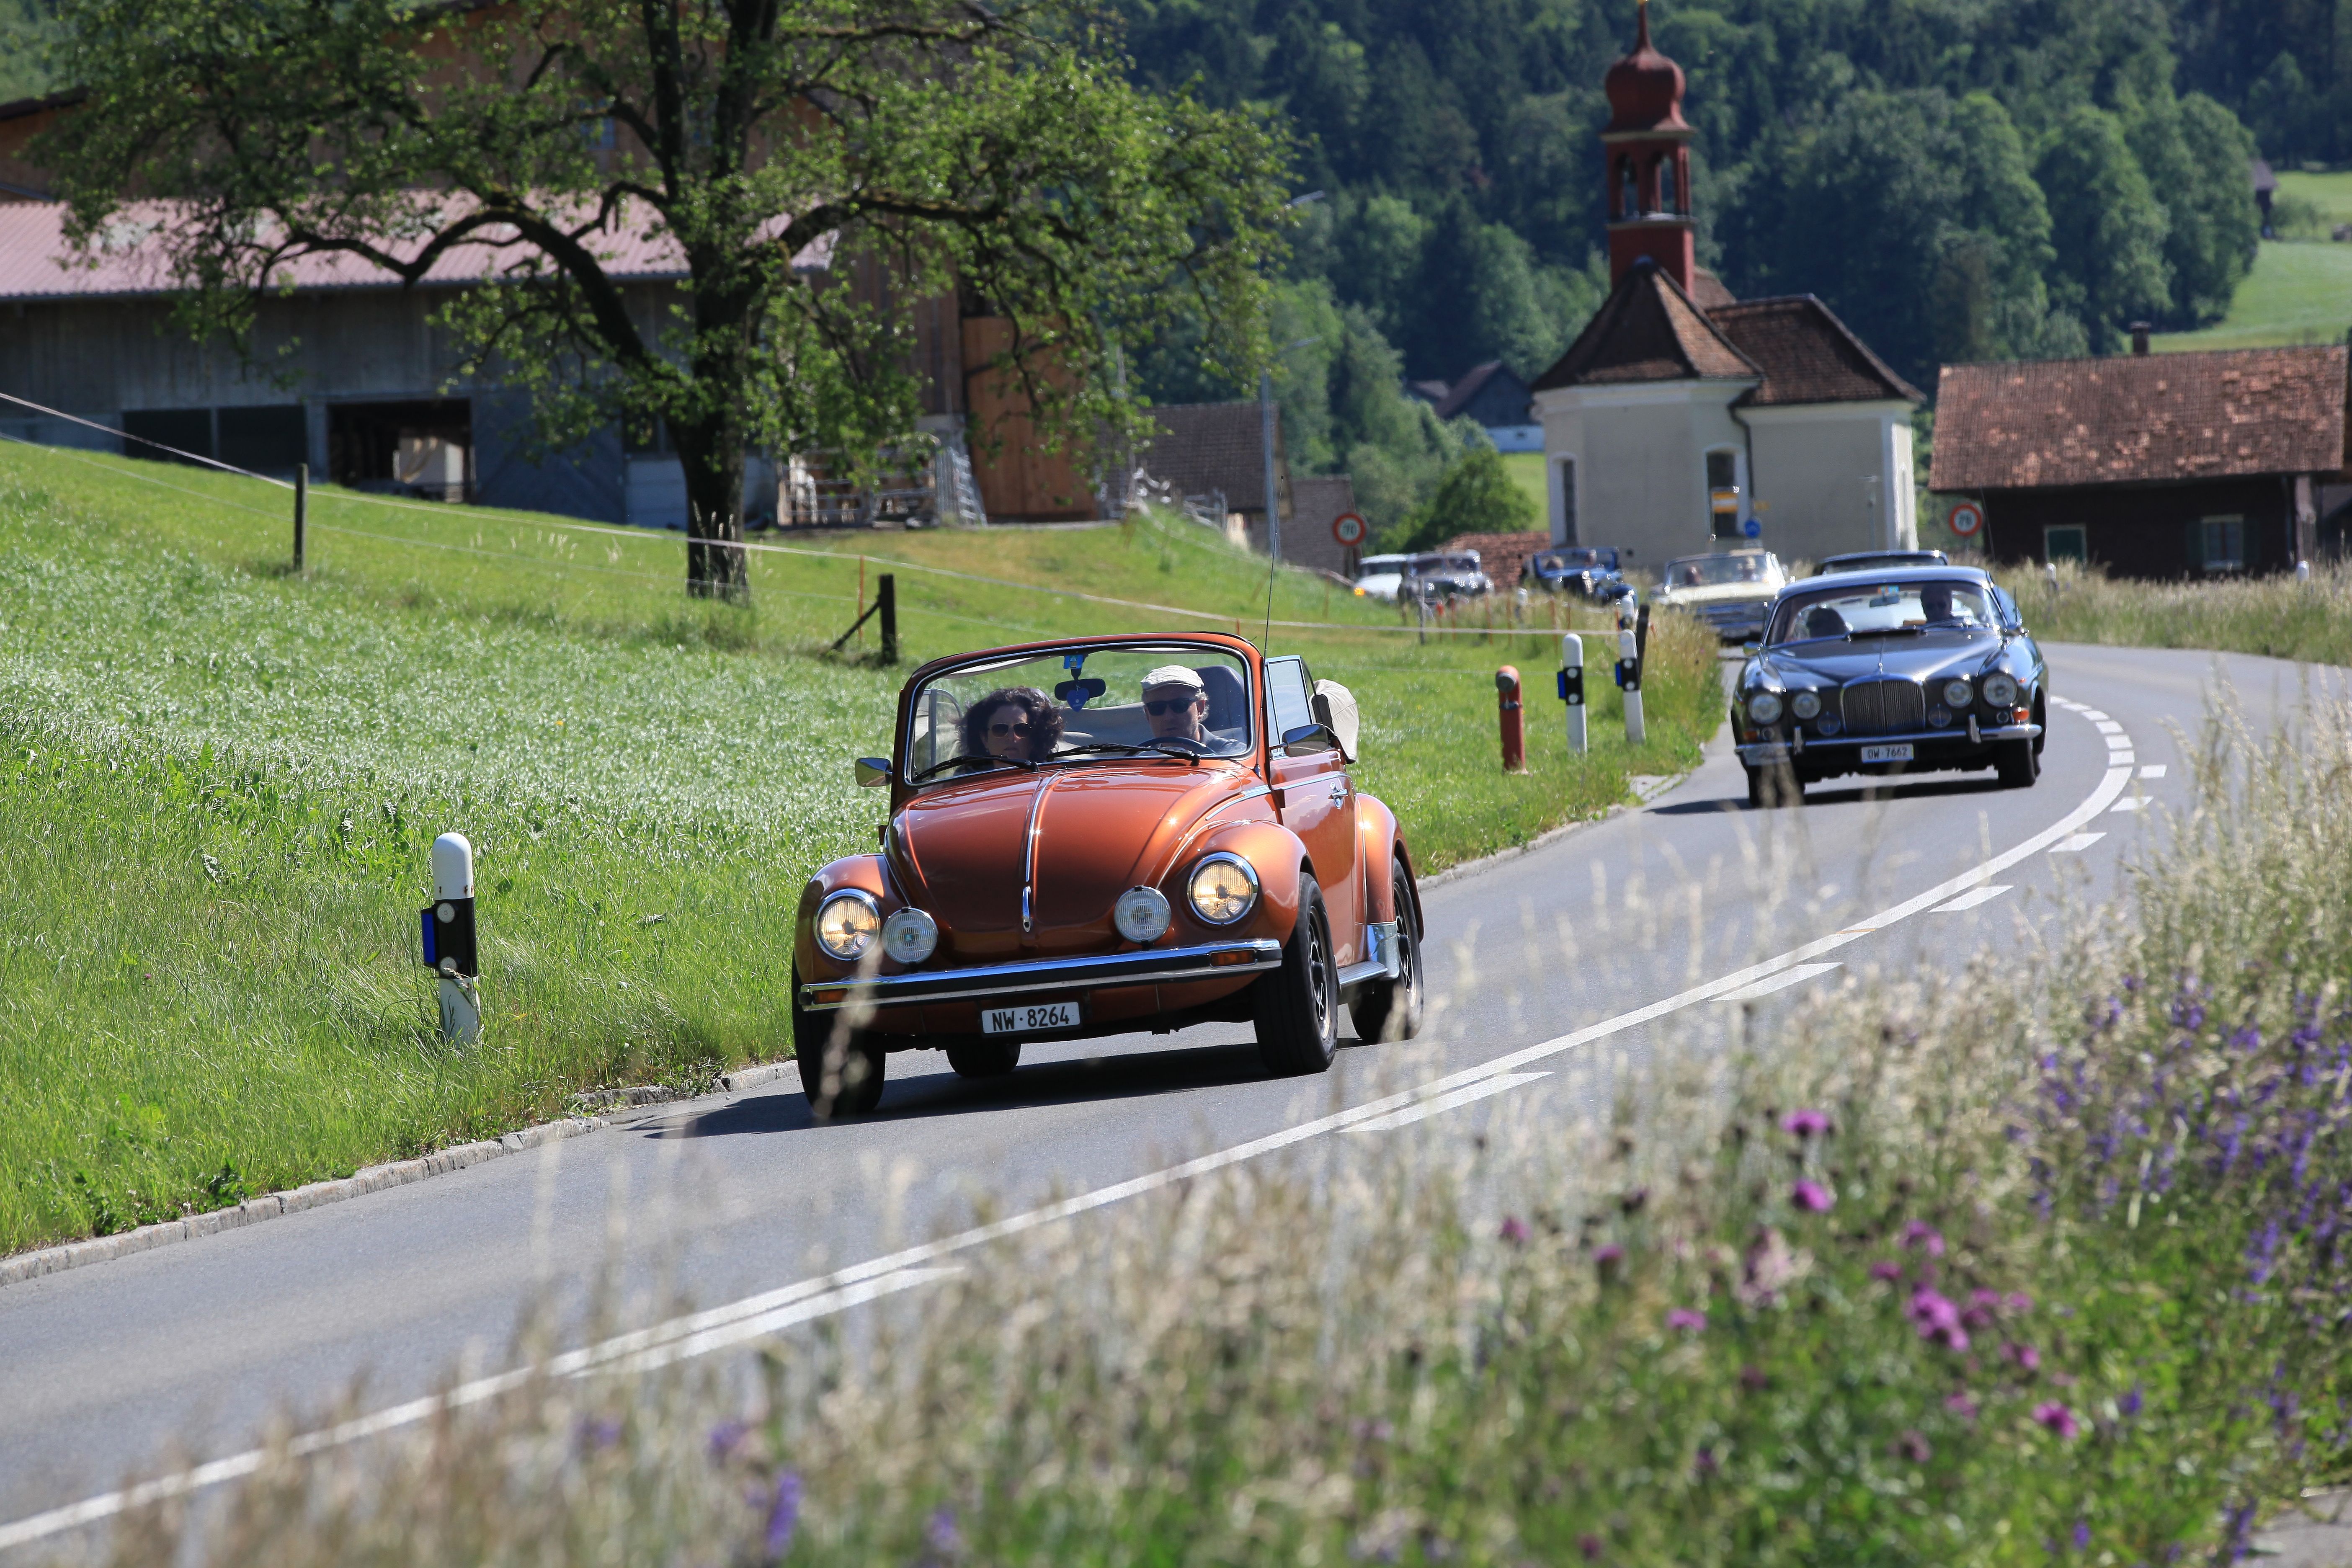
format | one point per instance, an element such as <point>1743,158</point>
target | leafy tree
<point>2194,152</point>
<point>1476,494</point>
<point>2107,225</point>
<point>910,146</point>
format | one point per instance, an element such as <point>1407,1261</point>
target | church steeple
<point>1647,148</point>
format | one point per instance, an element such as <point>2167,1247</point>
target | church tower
<point>1647,145</point>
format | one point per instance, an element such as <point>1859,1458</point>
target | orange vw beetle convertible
<point>1105,836</point>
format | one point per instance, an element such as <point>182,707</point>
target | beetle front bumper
<point>1146,966</point>
<point>1931,743</point>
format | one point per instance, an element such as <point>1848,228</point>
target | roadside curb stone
<point>56,1260</point>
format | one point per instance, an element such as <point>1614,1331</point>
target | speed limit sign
<point>1348,528</point>
<point>1966,520</point>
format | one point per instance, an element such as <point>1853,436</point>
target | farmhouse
<point>2179,464</point>
<point>1491,395</point>
<point>1681,419</point>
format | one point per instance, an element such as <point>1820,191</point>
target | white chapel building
<point>1681,420</point>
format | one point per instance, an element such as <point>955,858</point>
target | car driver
<point>1176,701</point>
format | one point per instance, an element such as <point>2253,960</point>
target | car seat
<point>1228,698</point>
<point>1821,621</point>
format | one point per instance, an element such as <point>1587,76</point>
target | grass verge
<point>2275,617</point>
<point>218,781</point>
<point>2044,1261</point>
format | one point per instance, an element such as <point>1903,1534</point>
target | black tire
<point>984,1056</point>
<point>1387,1010</point>
<point>2018,763</point>
<point>1297,1006</point>
<point>841,1067</point>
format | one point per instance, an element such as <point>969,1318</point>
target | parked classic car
<point>1435,576</point>
<point>1588,571</point>
<point>1728,590</point>
<point>1879,561</point>
<point>1905,671</point>
<point>1107,835</point>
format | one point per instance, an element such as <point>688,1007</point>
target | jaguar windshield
<point>1884,609</point>
<point>1080,704</point>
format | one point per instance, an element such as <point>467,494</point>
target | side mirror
<point>873,771</point>
<point>1308,739</point>
<point>1751,648</point>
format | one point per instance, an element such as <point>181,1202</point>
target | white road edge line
<point>859,1283</point>
<point>1436,1103</point>
<point>1779,982</point>
<point>1983,895</point>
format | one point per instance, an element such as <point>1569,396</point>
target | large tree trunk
<point>716,562</point>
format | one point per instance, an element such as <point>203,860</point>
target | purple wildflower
<point>1685,1319</point>
<point>1591,1546</point>
<point>2130,1403</point>
<point>1924,1236</point>
<point>599,1432</point>
<point>725,1438</point>
<point>1913,1448</point>
<point>941,1535</point>
<point>783,1514</point>
<point>1515,1230</point>
<point>1607,1258</point>
<point>2058,1418</point>
<point>1938,1319</point>
<point>1888,1271</point>
<point>1754,1380</point>
<point>1961,1405</point>
<point>2027,1357</point>
<point>1806,1123</point>
<point>1703,1461</point>
<point>1811,1197</point>
<point>2082,1535</point>
<point>2018,1301</point>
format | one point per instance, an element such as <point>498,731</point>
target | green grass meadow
<point>218,781</point>
<point>2299,290</point>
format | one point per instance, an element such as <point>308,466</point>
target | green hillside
<point>218,781</point>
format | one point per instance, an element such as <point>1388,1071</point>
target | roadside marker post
<point>449,948</point>
<point>1514,734</point>
<point>1630,638</point>
<point>1571,688</point>
<point>301,509</point>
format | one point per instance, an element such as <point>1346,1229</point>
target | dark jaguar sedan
<point>1901,671</point>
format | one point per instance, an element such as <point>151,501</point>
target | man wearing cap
<point>1177,703</point>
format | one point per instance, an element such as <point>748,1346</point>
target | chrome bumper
<point>1151,966</point>
<point>1760,753</point>
<point>1383,960</point>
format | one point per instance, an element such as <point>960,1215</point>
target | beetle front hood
<point>963,853</point>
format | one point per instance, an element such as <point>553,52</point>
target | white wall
<point>1834,477</point>
<point>1641,462</point>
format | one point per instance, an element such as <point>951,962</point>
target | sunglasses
<point>1170,705</point>
<point>1002,729</point>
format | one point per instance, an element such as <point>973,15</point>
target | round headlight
<point>1764,707</point>
<point>1223,888</point>
<point>1956,694</point>
<point>1805,704</point>
<point>847,925</point>
<point>2000,691</point>
<point>911,936</point>
<point>1142,914</point>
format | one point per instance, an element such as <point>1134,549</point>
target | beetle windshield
<point>1866,609</point>
<point>1080,704</point>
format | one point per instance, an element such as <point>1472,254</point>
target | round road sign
<point>1967,519</point>
<point>1752,527</point>
<point>1348,528</point>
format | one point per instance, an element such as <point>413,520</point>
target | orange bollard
<point>1515,739</point>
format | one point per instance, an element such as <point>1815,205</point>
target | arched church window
<point>1667,191</point>
<point>1629,191</point>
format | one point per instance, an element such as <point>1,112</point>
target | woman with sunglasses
<point>1014,721</point>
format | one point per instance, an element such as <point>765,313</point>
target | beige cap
<point>1174,675</point>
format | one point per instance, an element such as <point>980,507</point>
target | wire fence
<point>1514,625</point>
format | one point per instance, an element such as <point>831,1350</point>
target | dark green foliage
<point>1476,494</point>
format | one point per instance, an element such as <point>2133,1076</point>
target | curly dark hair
<point>1044,720</point>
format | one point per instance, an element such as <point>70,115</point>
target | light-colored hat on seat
<point>1174,675</point>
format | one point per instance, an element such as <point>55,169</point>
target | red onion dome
<point>1645,89</point>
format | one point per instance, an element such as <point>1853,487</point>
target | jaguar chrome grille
<point>1883,707</point>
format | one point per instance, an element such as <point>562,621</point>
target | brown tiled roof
<point>1807,355</point>
<point>1205,446</point>
<point>2133,419</point>
<point>1647,329</point>
<point>1706,291</point>
<point>1500,555</point>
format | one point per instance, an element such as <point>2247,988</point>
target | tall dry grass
<point>2275,616</point>
<point>2044,1260</point>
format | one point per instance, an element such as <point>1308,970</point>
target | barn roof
<point>2133,419</point>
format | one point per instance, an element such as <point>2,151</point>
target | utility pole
<point>1265,433</point>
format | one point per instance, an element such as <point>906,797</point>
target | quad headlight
<point>1805,704</point>
<point>1223,888</point>
<point>1142,914</point>
<point>1764,707</point>
<point>911,936</point>
<point>1956,694</point>
<point>1999,691</point>
<point>846,924</point>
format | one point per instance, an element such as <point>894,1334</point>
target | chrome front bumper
<point>1148,966</point>
<point>1763,753</point>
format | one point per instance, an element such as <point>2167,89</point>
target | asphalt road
<point>1626,936</point>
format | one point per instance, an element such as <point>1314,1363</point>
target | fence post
<point>449,946</point>
<point>885,595</point>
<point>1571,688</point>
<point>301,509</point>
<point>1629,677</point>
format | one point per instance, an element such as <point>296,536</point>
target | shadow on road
<point>940,1092</point>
